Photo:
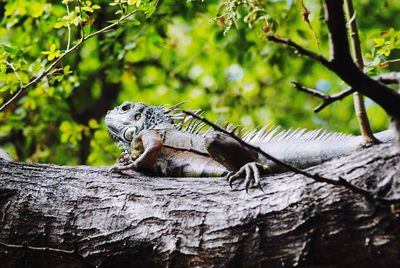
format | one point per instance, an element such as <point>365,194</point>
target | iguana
<point>155,138</point>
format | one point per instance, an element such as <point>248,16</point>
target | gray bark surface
<point>132,220</point>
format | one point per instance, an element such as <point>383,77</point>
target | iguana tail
<point>302,148</point>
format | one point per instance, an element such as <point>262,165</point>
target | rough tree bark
<point>131,220</point>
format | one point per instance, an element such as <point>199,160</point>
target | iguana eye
<point>137,116</point>
<point>126,107</point>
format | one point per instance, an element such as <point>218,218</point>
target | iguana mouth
<point>113,132</point>
<point>113,137</point>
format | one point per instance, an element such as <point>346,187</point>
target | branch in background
<point>358,99</point>
<point>342,64</point>
<point>301,50</point>
<point>339,182</point>
<point>9,64</point>
<point>334,17</point>
<point>68,28</point>
<point>38,78</point>
<point>80,21</point>
<point>68,253</point>
<point>389,78</point>
<point>327,99</point>
<point>347,70</point>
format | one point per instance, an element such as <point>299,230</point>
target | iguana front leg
<point>234,156</point>
<point>145,148</point>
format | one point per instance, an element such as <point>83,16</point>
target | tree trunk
<point>131,220</point>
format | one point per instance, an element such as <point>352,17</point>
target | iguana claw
<point>119,168</point>
<point>251,174</point>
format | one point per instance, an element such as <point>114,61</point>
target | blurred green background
<point>212,54</point>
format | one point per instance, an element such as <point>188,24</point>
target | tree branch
<point>38,78</point>
<point>358,99</point>
<point>133,220</point>
<point>389,78</point>
<point>301,50</point>
<point>335,19</point>
<point>346,69</point>
<point>343,65</point>
<point>327,99</point>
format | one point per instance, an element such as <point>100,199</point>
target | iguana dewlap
<point>153,138</point>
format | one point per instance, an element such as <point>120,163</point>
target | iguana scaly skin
<point>153,138</point>
<point>151,141</point>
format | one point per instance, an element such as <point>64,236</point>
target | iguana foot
<point>119,168</point>
<point>251,174</point>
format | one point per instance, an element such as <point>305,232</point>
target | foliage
<point>213,54</point>
<point>384,43</point>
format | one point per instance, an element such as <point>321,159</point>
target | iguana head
<point>128,119</point>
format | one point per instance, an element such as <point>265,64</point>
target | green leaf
<point>93,124</point>
<point>60,24</point>
<point>88,9</point>
<point>150,11</point>
<point>379,41</point>
<point>4,88</point>
<point>8,49</point>
<point>3,68</point>
<point>66,70</point>
<point>132,2</point>
<point>36,9</point>
<point>51,56</point>
<point>87,29</point>
<point>134,22</point>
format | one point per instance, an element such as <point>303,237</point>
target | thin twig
<point>301,50</point>
<point>55,71</point>
<point>327,99</point>
<point>69,253</point>
<point>388,78</point>
<point>69,29</point>
<point>36,79</point>
<point>311,91</point>
<point>80,20</point>
<point>339,182</point>
<point>15,71</point>
<point>389,62</point>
